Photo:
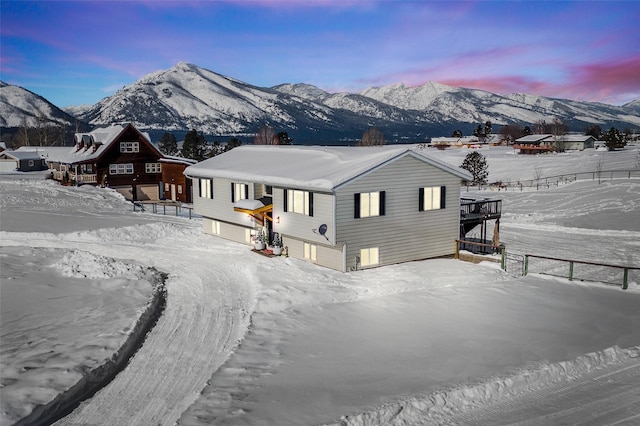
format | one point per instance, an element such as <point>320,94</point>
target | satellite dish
<point>322,230</point>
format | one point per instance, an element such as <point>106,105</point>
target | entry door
<point>173,192</point>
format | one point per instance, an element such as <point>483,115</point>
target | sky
<point>78,52</point>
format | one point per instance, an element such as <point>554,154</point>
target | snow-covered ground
<point>246,339</point>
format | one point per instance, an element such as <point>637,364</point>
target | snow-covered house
<point>534,144</point>
<point>344,208</point>
<point>176,186</point>
<point>118,156</point>
<point>21,161</point>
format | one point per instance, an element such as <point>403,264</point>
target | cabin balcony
<point>476,211</point>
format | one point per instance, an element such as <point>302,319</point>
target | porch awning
<point>252,207</point>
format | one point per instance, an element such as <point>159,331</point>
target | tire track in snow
<point>206,315</point>
<point>606,396</point>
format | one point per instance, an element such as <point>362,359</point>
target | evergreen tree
<point>168,144</point>
<point>594,130</point>
<point>526,131</point>
<point>283,138</point>
<point>194,146</point>
<point>456,134</point>
<point>614,139</point>
<point>476,164</point>
<point>233,143</point>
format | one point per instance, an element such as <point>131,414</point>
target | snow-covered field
<point>245,339</point>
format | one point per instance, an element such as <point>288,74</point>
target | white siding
<point>327,256</point>
<point>301,226</point>
<point>404,233</point>
<point>221,206</point>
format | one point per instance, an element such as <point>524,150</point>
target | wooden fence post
<point>625,277</point>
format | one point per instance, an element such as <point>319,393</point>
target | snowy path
<point>608,396</point>
<point>207,313</point>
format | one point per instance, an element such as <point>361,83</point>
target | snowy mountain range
<point>17,104</point>
<point>188,97</point>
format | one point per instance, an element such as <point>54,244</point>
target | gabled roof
<point>89,146</point>
<point>534,138</point>
<point>22,155</point>
<point>577,138</point>
<point>316,168</point>
<point>177,160</point>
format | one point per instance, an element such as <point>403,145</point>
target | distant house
<point>345,208</point>
<point>120,157</point>
<point>176,186</point>
<point>535,144</point>
<point>21,161</point>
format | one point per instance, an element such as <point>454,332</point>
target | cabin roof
<point>320,168</point>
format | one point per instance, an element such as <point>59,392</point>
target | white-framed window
<point>129,147</point>
<point>153,168</point>
<point>31,163</point>
<point>166,187</point>
<point>369,256</point>
<point>179,189</point>
<point>431,198</point>
<point>215,227</point>
<point>206,188</point>
<point>121,169</point>
<point>368,204</point>
<point>297,201</point>
<point>267,190</point>
<point>239,191</point>
<point>310,251</point>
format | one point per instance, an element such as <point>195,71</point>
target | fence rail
<point>591,274</point>
<point>156,207</point>
<point>556,180</point>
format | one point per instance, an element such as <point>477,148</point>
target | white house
<point>345,208</point>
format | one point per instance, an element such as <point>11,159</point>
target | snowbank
<point>438,406</point>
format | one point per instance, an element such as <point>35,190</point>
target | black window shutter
<point>356,206</point>
<point>311,204</point>
<point>285,200</point>
<point>233,192</point>
<point>382,202</point>
<point>421,200</point>
<point>246,191</point>
<point>443,196</point>
<point>210,188</point>
<point>199,187</point>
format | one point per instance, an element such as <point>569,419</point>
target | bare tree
<point>22,136</point>
<point>372,137</point>
<point>265,136</point>
<point>509,133</point>
<point>559,131</point>
<point>540,127</point>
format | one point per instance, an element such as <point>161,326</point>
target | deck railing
<point>472,209</point>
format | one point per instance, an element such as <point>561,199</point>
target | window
<point>153,167</point>
<point>179,189</point>
<point>310,251</point>
<point>431,198</point>
<point>166,187</point>
<point>239,191</point>
<point>367,204</point>
<point>31,163</point>
<point>121,169</point>
<point>268,190</point>
<point>206,188</point>
<point>128,147</point>
<point>215,227</point>
<point>296,201</point>
<point>369,256</point>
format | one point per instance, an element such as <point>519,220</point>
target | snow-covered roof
<point>177,160</point>
<point>533,138</point>
<point>318,168</point>
<point>22,155</point>
<point>577,138</point>
<point>89,146</point>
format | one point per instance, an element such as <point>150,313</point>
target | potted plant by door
<point>258,243</point>
<point>277,244</point>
